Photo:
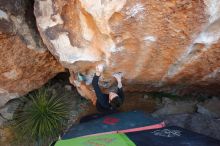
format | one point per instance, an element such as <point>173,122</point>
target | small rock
<point>68,87</point>
<point>210,107</point>
<point>158,102</point>
<point>8,110</point>
<point>146,97</point>
<point>166,100</point>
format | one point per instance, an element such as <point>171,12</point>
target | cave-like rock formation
<point>25,63</point>
<point>159,45</point>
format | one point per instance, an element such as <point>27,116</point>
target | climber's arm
<point>87,93</point>
<point>101,98</point>
<point>120,91</point>
<point>83,89</point>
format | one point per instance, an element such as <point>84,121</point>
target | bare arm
<point>87,93</point>
<point>101,98</point>
<point>83,89</point>
<point>120,91</point>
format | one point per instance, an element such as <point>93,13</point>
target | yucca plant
<point>42,118</point>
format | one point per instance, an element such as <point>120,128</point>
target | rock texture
<point>159,45</point>
<point>171,107</point>
<point>25,63</point>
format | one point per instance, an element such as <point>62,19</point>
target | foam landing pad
<point>113,122</point>
<point>101,140</point>
<point>170,136</point>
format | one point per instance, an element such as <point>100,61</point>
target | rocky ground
<point>201,115</point>
<point>198,116</point>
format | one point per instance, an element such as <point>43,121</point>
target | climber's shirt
<point>102,103</point>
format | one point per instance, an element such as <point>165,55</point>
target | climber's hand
<point>118,76</point>
<point>99,69</point>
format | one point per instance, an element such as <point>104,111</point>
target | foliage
<point>41,119</point>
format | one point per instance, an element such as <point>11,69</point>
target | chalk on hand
<point>117,74</point>
<point>100,67</point>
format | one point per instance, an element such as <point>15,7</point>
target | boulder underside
<point>169,46</point>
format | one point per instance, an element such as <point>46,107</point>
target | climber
<point>108,103</point>
<point>105,103</point>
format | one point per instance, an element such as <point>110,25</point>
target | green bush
<point>42,117</point>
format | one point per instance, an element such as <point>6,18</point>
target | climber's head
<point>114,100</point>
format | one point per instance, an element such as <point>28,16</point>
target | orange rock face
<point>167,45</point>
<point>25,63</point>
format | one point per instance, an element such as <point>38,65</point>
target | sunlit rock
<point>169,46</point>
<point>25,63</point>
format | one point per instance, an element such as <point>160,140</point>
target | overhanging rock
<point>159,46</point>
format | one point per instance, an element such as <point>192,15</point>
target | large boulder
<point>171,107</point>
<point>8,110</point>
<point>25,63</point>
<point>159,45</point>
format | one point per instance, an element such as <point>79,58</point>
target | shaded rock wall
<point>25,63</point>
<point>159,45</point>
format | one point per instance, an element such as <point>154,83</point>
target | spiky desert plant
<point>42,118</point>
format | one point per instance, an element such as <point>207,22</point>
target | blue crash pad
<point>113,122</point>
